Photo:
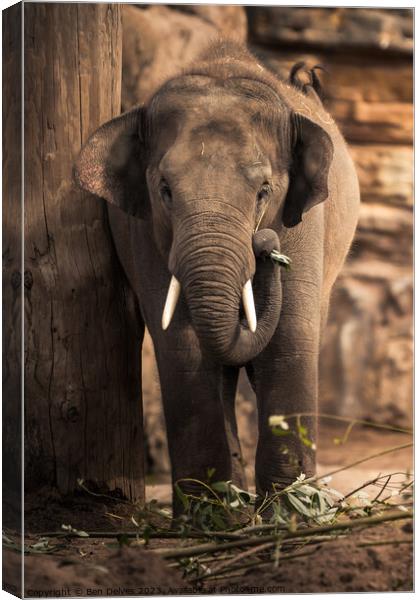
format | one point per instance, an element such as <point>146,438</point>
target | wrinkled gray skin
<point>188,177</point>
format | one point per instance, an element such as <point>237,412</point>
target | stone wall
<point>366,361</point>
<point>161,40</point>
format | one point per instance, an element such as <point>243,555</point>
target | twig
<point>258,528</point>
<point>385,543</point>
<point>379,494</point>
<point>237,558</point>
<point>375,481</point>
<point>141,534</point>
<point>364,485</point>
<point>359,462</point>
<point>81,484</point>
<point>402,489</point>
<point>226,567</point>
<point>221,578</point>
<point>200,483</point>
<point>343,440</point>
<point>349,420</point>
<point>255,563</point>
<point>299,543</point>
<point>108,514</point>
<point>206,559</point>
<point>315,479</point>
<point>287,535</point>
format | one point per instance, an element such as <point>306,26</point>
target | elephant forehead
<point>199,107</point>
<point>186,157</point>
<point>215,146</point>
<point>225,129</point>
<point>215,128</point>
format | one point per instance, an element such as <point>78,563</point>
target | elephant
<point>225,163</point>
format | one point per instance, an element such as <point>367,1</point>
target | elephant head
<point>209,161</point>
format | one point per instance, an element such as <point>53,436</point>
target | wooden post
<point>12,267</point>
<point>83,414</point>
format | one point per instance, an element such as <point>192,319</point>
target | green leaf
<point>220,486</point>
<point>183,498</point>
<point>327,517</point>
<point>77,532</point>
<point>303,498</point>
<point>298,505</point>
<point>301,428</point>
<point>319,503</point>
<point>281,259</point>
<point>244,496</point>
<point>210,472</point>
<point>146,534</point>
<point>279,432</point>
<point>123,540</point>
<point>306,489</point>
<point>219,522</point>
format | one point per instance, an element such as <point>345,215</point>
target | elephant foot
<point>269,494</point>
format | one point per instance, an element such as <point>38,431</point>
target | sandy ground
<point>87,566</point>
<point>362,442</point>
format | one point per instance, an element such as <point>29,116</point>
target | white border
<point>360,4</point>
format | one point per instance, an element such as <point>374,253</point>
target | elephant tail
<point>306,80</point>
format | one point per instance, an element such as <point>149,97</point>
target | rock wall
<point>161,40</point>
<point>366,362</point>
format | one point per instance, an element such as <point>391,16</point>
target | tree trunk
<point>12,279</point>
<point>83,414</point>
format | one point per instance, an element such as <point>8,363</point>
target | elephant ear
<point>311,160</point>
<point>112,163</point>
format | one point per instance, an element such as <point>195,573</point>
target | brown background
<point>366,361</point>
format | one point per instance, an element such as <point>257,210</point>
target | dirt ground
<point>86,566</point>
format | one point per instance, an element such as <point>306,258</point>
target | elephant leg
<point>325,307</point>
<point>230,382</point>
<point>192,394</point>
<point>286,380</point>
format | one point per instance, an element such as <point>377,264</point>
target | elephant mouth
<point>174,291</point>
<point>231,325</point>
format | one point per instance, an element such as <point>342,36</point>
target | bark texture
<point>82,370</point>
<point>12,282</point>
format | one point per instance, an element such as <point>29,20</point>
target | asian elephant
<point>224,164</point>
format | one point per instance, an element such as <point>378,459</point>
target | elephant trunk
<point>213,267</point>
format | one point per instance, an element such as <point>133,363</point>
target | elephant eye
<point>264,192</point>
<point>165,192</point>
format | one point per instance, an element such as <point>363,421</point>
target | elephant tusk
<point>171,302</point>
<point>249,306</point>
